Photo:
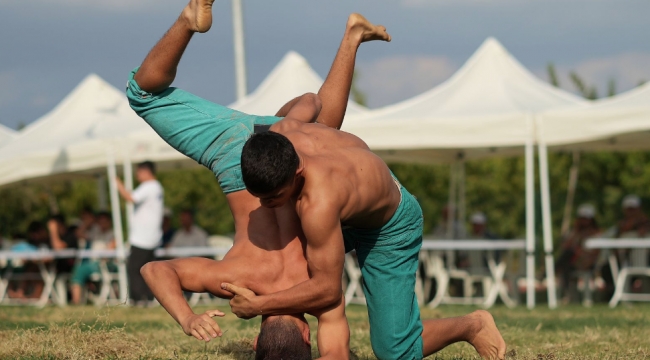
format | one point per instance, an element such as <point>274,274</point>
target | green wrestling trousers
<point>210,134</point>
<point>388,258</point>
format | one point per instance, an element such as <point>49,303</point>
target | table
<point>620,275</point>
<point>55,288</point>
<point>47,272</point>
<point>495,288</point>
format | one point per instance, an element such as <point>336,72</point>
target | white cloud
<point>396,78</point>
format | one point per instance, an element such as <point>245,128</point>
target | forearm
<point>126,195</point>
<point>307,296</point>
<point>284,110</point>
<point>56,242</point>
<point>165,285</point>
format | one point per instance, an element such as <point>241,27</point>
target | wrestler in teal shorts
<point>210,134</point>
<point>214,136</point>
<point>388,258</point>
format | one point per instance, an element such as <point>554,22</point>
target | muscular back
<point>340,168</point>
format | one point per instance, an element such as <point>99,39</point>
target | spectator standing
<point>145,228</point>
<point>189,233</point>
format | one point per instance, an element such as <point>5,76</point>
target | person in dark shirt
<point>62,237</point>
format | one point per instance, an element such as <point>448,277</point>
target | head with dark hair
<point>104,220</point>
<point>283,337</point>
<point>269,164</point>
<point>146,170</point>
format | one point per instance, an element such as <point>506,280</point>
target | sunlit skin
<point>268,251</point>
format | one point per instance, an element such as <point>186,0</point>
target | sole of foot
<point>198,14</point>
<point>360,26</point>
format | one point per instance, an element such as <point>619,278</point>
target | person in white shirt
<point>189,234</point>
<point>145,228</point>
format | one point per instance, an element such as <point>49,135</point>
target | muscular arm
<point>333,332</point>
<point>325,257</point>
<point>168,279</point>
<point>304,108</point>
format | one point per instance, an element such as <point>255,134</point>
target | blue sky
<point>48,46</point>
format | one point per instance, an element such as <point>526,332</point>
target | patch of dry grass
<point>129,333</point>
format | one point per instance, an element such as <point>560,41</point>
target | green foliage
<point>552,75</point>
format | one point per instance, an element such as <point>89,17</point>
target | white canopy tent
<point>93,128</point>
<point>486,108</point>
<point>620,123</point>
<point>290,78</point>
<point>6,135</point>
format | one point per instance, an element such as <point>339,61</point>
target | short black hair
<point>281,339</point>
<point>268,162</point>
<point>148,165</point>
<point>60,218</point>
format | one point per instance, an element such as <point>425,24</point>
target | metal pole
<point>546,216</point>
<point>530,215</point>
<point>240,54</point>
<point>128,184</point>
<point>117,225</point>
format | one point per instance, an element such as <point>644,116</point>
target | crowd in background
<point>149,228</point>
<point>152,226</point>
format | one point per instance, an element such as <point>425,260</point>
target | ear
<point>255,343</point>
<point>306,335</point>
<point>300,169</point>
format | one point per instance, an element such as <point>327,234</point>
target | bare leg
<point>335,91</point>
<point>477,328</point>
<point>75,291</point>
<point>158,69</point>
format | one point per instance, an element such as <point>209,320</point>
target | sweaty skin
<point>341,182</point>
<point>268,251</point>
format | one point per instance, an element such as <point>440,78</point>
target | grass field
<point>570,332</point>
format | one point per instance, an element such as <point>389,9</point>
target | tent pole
<point>128,184</point>
<point>546,216</point>
<point>571,192</point>
<point>530,215</point>
<point>117,225</point>
<point>240,55</point>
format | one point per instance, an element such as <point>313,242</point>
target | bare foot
<point>364,30</point>
<point>488,341</point>
<point>198,14</point>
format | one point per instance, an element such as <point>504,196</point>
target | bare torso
<point>365,190</point>
<point>268,254</point>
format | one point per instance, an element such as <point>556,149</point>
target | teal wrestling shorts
<point>210,134</point>
<point>388,258</point>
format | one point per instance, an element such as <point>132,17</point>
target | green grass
<point>571,332</point>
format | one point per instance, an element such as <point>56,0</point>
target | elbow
<point>315,100</point>
<point>331,295</point>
